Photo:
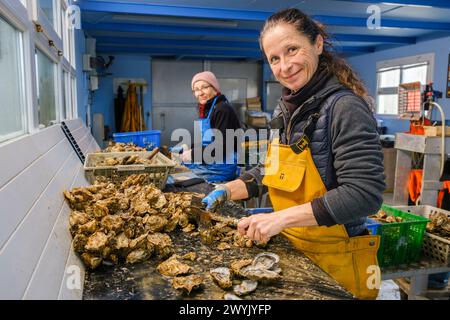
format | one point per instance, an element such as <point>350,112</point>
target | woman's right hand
<point>215,198</point>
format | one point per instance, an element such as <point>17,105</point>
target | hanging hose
<point>442,135</point>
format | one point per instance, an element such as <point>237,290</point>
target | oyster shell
<point>112,223</point>
<point>187,283</point>
<point>77,218</point>
<point>190,256</point>
<point>189,228</point>
<point>162,244</point>
<point>222,277</point>
<point>223,246</point>
<point>96,242</point>
<point>237,265</point>
<point>172,267</point>
<point>154,223</point>
<point>79,242</point>
<point>246,287</point>
<point>264,267</point>
<point>257,274</point>
<point>90,260</point>
<point>88,228</point>
<point>138,255</point>
<point>230,296</point>
<point>266,260</point>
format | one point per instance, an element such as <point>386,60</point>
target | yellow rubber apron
<point>293,179</point>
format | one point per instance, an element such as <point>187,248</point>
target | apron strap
<point>212,107</point>
<point>303,142</point>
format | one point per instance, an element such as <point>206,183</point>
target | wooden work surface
<point>301,278</point>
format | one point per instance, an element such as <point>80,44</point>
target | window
<point>393,73</point>
<point>37,89</point>
<point>12,103</point>
<point>45,75</point>
<point>47,8</point>
<point>65,97</point>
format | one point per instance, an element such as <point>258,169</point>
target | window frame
<point>23,18</point>
<point>400,63</point>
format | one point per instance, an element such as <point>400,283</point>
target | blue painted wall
<point>82,81</point>
<point>365,65</point>
<point>124,66</point>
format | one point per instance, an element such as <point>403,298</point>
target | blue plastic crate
<point>146,139</point>
<point>372,225</point>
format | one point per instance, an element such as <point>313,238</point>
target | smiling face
<point>292,57</point>
<point>203,91</point>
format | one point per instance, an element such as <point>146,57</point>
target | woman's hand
<point>186,156</point>
<point>261,227</point>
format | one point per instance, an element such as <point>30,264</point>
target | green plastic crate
<point>401,242</point>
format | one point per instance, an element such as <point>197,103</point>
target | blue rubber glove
<point>213,199</point>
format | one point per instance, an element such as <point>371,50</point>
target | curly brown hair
<point>306,26</point>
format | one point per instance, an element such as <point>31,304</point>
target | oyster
<point>140,243</point>
<point>154,223</point>
<point>96,242</point>
<point>121,242</point>
<point>266,260</point>
<point>90,260</point>
<point>222,277</point>
<point>189,228</point>
<point>237,265</point>
<point>257,274</point>
<point>112,223</point>
<point>246,287</point>
<point>88,228</point>
<point>77,218</point>
<point>187,283</point>
<point>223,246</point>
<point>162,244</point>
<point>190,256</point>
<point>138,255</point>
<point>172,267</point>
<point>79,242</point>
<point>111,162</point>
<point>230,296</point>
<point>100,209</point>
<point>264,267</point>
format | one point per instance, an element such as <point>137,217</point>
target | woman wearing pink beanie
<point>215,112</point>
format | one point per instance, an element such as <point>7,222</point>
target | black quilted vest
<point>321,104</point>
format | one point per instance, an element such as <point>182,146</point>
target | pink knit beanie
<point>207,76</point>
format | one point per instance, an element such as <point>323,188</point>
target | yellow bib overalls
<point>295,180</point>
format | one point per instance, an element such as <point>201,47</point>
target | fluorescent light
<point>407,5</point>
<point>173,20</point>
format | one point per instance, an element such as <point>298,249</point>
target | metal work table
<point>301,278</point>
<point>418,274</point>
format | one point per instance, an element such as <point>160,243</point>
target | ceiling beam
<point>421,3</point>
<point>147,28</point>
<point>384,23</point>
<point>178,51</point>
<point>370,38</point>
<point>226,14</point>
<point>205,52</point>
<point>105,40</point>
<point>174,11</point>
<point>218,32</point>
<point>178,42</point>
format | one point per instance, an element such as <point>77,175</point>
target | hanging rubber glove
<point>217,197</point>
